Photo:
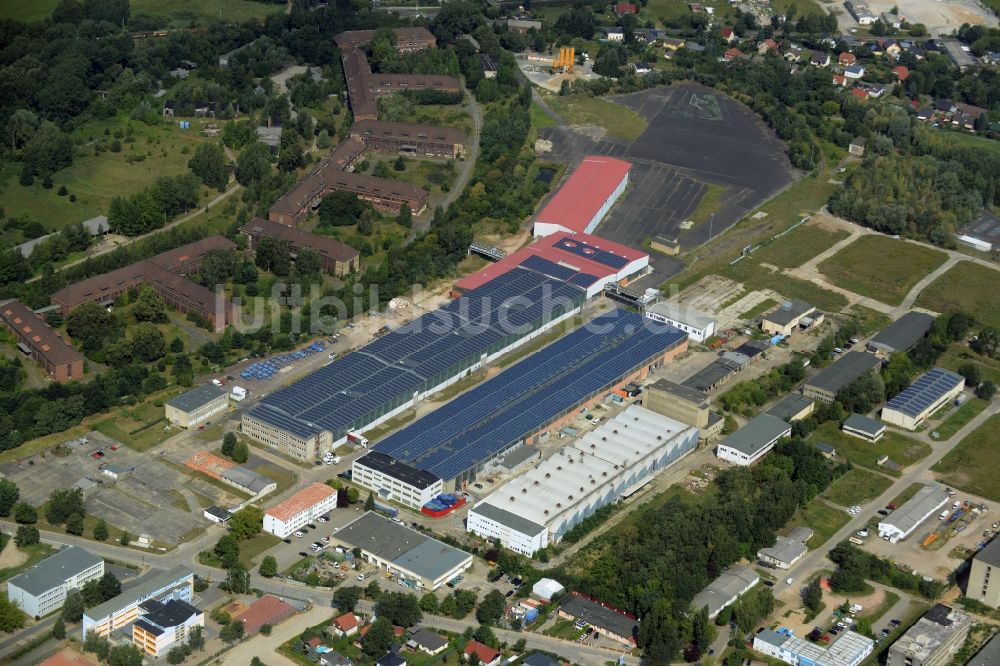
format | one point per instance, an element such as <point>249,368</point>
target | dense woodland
<point>664,555</point>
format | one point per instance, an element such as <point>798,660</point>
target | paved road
<point>815,560</point>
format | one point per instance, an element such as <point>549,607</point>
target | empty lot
<point>881,267</point>
<point>694,137</point>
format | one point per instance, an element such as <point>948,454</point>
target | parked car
<point>300,534</point>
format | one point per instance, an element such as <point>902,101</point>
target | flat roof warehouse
<point>362,386</point>
<point>456,439</point>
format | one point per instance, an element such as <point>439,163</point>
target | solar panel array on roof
<point>550,268</point>
<point>361,386</point>
<point>525,398</point>
<point>925,391</point>
<point>592,253</point>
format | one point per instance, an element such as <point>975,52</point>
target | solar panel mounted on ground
<point>491,417</point>
<point>340,396</point>
<point>590,252</point>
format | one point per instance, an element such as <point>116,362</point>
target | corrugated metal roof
<point>582,195</point>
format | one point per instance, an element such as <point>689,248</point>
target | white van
<point>944,514</point>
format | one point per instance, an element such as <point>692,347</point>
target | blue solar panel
<point>583,279</point>
<point>361,386</point>
<point>525,398</point>
<point>928,389</point>
<point>574,246</point>
<point>550,268</point>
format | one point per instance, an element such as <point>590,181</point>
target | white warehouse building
<point>610,462</point>
<point>900,523</point>
<point>698,326</point>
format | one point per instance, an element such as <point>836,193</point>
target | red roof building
<point>269,609</point>
<point>732,54</point>
<point>728,34</point>
<point>585,197</point>
<point>487,655</point>
<point>860,93</point>
<point>839,80</point>
<point>901,73</point>
<point>586,261</point>
<point>346,625</point>
<point>300,509</point>
<point>625,8</point>
<point>846,59</point>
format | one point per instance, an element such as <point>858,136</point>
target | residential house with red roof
<point>728,35</point>
<point>625,8</point>
<point>487,655</point>
<point>846,59</point>
<point>345,625</point>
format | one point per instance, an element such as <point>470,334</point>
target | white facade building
<point>848,650</point>
<point>900,523</point>
<point>196,406</point>
<point>610,462</point>
<point>42,589</point>
<point>927,394</point>
<point>177,583</point>
<point>395,480</point>
<point>300,509</point>
<point>699,327</point>
<point>514,532</point>
<point>754,440</point>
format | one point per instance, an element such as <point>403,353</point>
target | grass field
<point>971,465</point>
<point>961,288</point>
<point>759,309</point>
<point>97,179</point>
<point>881,268</point>
<point>970,140</point>
<point>957,419</point>
<point>799,246</point>
<point>619,121</point>
<point>869,320</point>
<point>822,518</point>
<point>900,449</point>
<point>752,274</point>
<point>904,496</point>
<point>856,487</point>
<point>182,11</point>
<point>36,554</point>
<point>710,204</point>
<point>959,355</point>
<point>123,423</point>
<point>539,118</point>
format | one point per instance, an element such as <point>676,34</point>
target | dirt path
<point>12,556</point>
<point>266,647</point>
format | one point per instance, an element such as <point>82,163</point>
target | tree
<point>74,524</point>
<point>26,535</point>
<point>149,306</point>
<point>268,567</point>
<point>148,343</point>
<point>484,634</point>
<point>273,255</point>
<point>307,262</point>
<point>812,596</point>
<point>12,617</point>
<point>429,603</point>
<point>176,346</point>
<point>253,164</point>
<point>8,496</point>
<point>378,638</point>
<point>465,601</point>
<point>90,323</point>
<point>209,164</point>
<point>353,495</point>
<point>125,539</point>
<point>101,531</point>
<point>196,639</point>
<point>380,170</point>
<point>241,453</point>
<point>973,373</point>
<point>177,654</point>
<point>109,586</point>
<point>346,598</point>
<point>399,164</point>
<point>228,444</point>
<point>400,608</point>
<point>97,644</point>
<point>227,549</point>
<point>63,503</point>
<point>59,629</point>
<point>124,655</point>
<point>986,390</point>
<point>405,217</point>
<point>370,502</point>
<point>372,590</point>
<point>491,608</point>
<point>73,607</point>
<point>247,522</point>
<point>232,632</point>
<point>238,579</point>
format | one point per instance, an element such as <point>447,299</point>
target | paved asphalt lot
<point>695,137</point>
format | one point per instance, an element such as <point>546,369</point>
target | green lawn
<point>710,204</point>
<point>618,120</point>
<point>960,354</point>
<point>905,496</point>
<point>856,487</point>
<point>799,246</point>
<point>124,424</point>
<point>970,140</point>
<point>181,11</point>
<point>958,418</point>
<point>802,7</point>
<point>971,465</point>
<point>962,288</point>
<point>752,274</point>
<point>881,268</point>
<point>539,118</point>
<point>899,448</point>
<point>822,518</point>
<point>564,629</point>
<point>253,547</point>
<point>759,309</point>
<point>869,320</point>
<point>96,180</point>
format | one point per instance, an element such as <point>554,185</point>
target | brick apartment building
<point>407,39</point>
<point>165,272</point>
<point>335,257</point>
<point>36,338</point>
<point>410,138</point>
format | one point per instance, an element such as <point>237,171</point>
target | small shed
<point>547,588</point>
<point>857,146</point>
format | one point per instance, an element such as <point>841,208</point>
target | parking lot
<point>148,496</point>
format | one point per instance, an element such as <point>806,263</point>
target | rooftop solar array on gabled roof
<point>359,387</point>
<point>525,398</point>
<point>925,391</point>
<point>590,252</point>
